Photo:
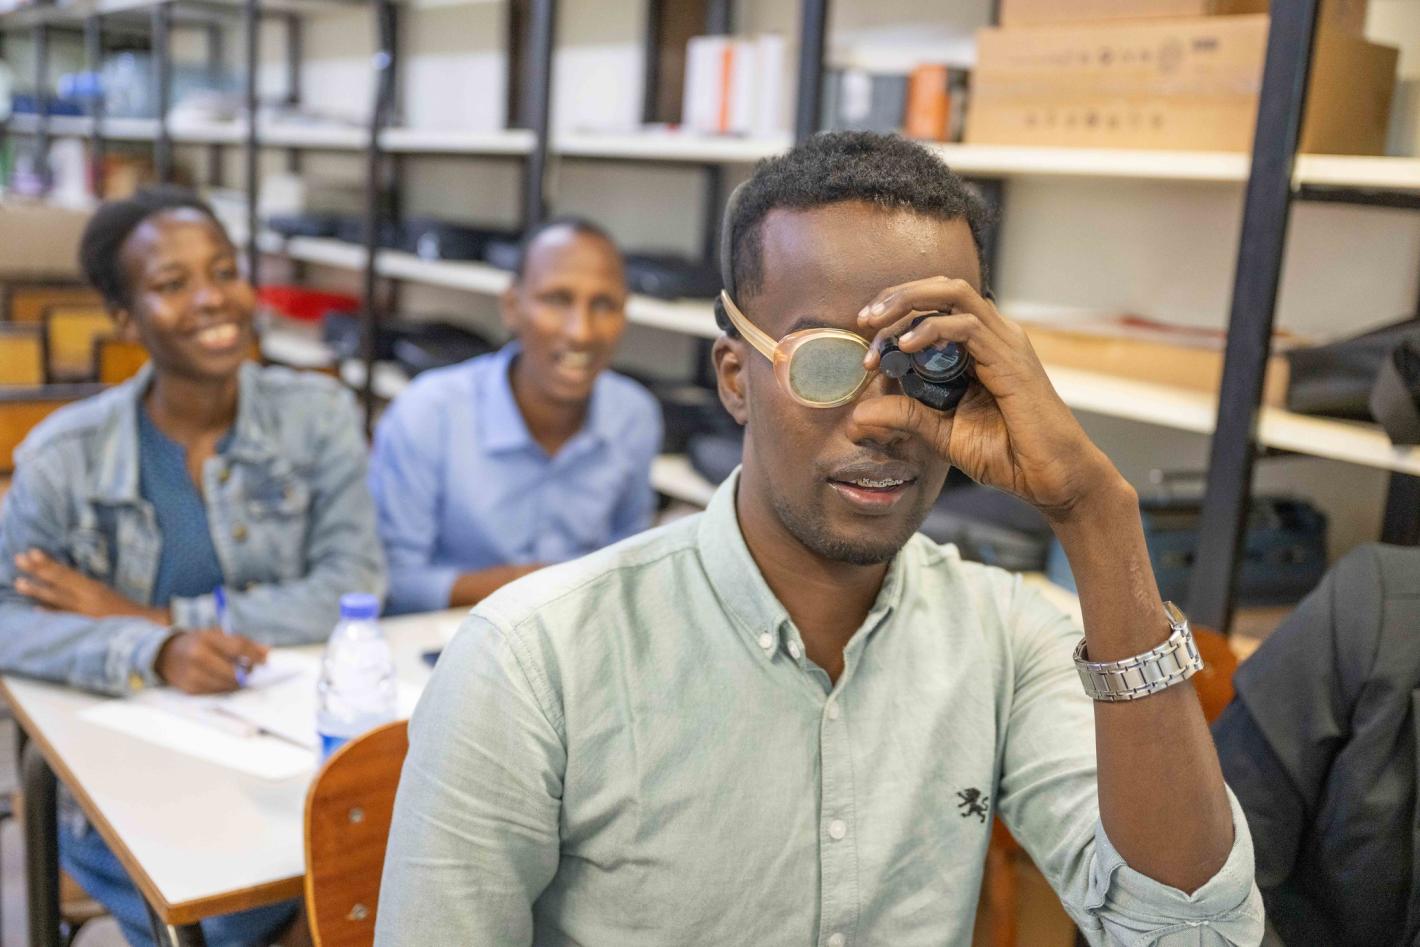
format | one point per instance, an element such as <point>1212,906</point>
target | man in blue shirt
<point>484,471</point>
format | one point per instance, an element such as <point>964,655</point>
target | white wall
<point>1157,249</point>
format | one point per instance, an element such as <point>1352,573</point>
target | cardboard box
<point>1172,84</point>
<point>1346,15</point>
<point>1194,365</point>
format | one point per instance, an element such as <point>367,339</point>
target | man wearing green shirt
<point>788,721</point>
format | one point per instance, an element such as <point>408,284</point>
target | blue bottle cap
<point>359,606</point>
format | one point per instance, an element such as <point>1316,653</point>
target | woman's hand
<point>207,661</point>
<point>63,589</point>
<point>1011,430</point>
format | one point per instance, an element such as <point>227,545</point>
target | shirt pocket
<point>89,551</point>
<point>274,519</point>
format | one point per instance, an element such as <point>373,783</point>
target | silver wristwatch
<point>1175,660</point>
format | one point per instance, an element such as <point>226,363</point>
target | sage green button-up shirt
<point>632,750</point>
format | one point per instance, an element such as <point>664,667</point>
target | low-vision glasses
<point>823,367</point>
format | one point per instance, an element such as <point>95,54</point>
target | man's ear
<point>730,376</point>
<point>509,311</point>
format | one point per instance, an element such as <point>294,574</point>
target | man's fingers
<point>935,294</point>
<point>901,413</point>
<point>40,566</point>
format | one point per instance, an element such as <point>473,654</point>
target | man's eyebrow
<point>809,322</point>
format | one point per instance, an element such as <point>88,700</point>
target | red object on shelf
<point>298,302</point>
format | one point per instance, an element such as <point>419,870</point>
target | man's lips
<point>875,489</point>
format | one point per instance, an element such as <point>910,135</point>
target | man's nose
<point>577,328</point>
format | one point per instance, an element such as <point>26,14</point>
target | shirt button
<point>837,829</point>
<point>239,533</point>
<point>224,475</point>
<point>836,940</point>
<point>766,641</point>
<point>794,651</point>
<point>833,710</point>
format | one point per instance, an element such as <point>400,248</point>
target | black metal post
<point>295,46</point>
<point>655,13</point>
<point>1266,208</point>
<point>41,847</point>
<point>216,60</point>
<point>813,33</point>
<point>993,193</point>
<point>1401,525</point>
<point>537,87</point>
<point>251,35</point>
<point>384,67</point>
<point>163,82</point>
<point>718,22</point>
<point>41,36</point>
<point>94,61</point>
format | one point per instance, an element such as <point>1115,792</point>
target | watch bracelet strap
<point>1155,670</point>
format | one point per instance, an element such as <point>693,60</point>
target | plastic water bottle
<point>356,692</point>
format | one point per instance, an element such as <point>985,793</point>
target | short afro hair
<point>832,167</point>
<point>114,222</point>
<point>579,225</point>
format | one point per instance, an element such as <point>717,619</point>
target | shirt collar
<point>741,588</point>
<point>501,426</point>
<point>117,481</point>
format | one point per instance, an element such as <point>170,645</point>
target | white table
<point>198,839</point>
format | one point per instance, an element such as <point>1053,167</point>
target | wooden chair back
<point>21,356</point>
<point>118,359</point>
<point>69,336</point>
<point>1215,682</point>
<point>348,812</point>
<point>22,409</point>
<point>26,302</point>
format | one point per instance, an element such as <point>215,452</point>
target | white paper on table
<point>287,707</point>
<point>261,756</point>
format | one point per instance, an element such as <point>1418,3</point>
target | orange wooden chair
<point>21,356</point>
<point>348,812</point>
<point>27,301</point>
<point>69,336</point>
<point>999,894</point>
<point>117,360</point>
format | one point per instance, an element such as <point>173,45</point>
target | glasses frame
<point>781,354</point>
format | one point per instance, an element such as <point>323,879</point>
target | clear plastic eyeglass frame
<point>782,353</point>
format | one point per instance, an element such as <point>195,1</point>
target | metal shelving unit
<point>1273,176</point>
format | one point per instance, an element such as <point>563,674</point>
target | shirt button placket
<point>838,855</point>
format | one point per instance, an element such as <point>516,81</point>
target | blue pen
<point>224,621</point>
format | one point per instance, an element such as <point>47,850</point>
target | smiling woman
<point>205,473</point>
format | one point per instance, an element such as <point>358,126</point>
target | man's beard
<point>810,527</point>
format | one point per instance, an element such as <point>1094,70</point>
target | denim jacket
<point>291,520</point>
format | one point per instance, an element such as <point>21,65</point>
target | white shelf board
<point>1082,390</point>
<point>672,475</point>
<point>512,141</point>
<point>130,129</point>
<point>668,146</point>
<point>1359,171</point>
<point>1196,411</point>
<point>1020,161</point>
<point>692,317</point>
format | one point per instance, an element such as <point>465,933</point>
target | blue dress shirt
<point>461,485</point>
